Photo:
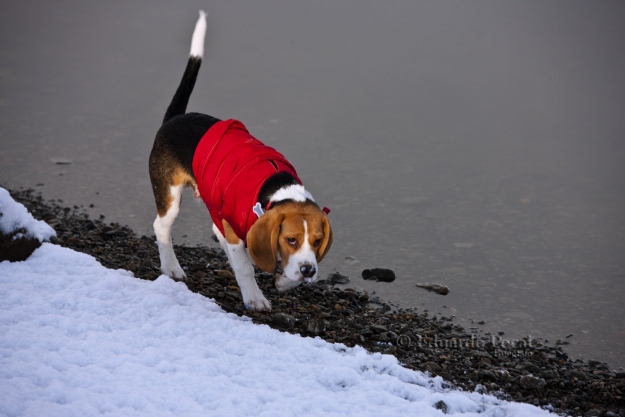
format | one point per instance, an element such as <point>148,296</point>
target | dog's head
<point>298,234</point>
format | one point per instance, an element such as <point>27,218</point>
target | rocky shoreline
<point>520,370</point>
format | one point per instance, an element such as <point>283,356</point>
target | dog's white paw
<point>259,303</point>
<point>174,272</point>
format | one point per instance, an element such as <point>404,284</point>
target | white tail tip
<point>197,42</point>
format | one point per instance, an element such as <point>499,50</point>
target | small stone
<point>236,295</point>
<point>437,288</point>
<point>149,264</point>
<point>530,367</point>
<point>283,320</point>
<point>196,267</point>
<point>441,406</point>
<point>481,354</point>
<point>366,332</point>
<point>316,327</point>
<point>576,374</point>
<point>379,274</point>
<point>224,273</point>
<point>377,329</point>
<point>487,375</point>
<point>549,374</point>
<point>336,278</point>
<point>532,383</point>
<point>432,367</point>
<point>16,246</point>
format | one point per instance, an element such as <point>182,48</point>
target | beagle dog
<point>261,212</point>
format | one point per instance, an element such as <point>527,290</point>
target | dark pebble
<point>437,288</point>
<point>366,332</point>
<point>441,406</point>
<point>532,383</point>
<point>316,327</point>
<point>487,375</point>
<point>432,367</point>
<point>576,374</point>
<point>336,278</point>
<point>530,367</point>
<point>379,274</point>
<point>283,320</point>
<point>549,374</point>
<point>14,249</point>
<point>377,329</point>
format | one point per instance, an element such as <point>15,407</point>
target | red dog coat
<point>230,167</point>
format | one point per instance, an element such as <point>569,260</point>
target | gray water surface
<point>479,145</point>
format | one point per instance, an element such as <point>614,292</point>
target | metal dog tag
<point>258,210</point>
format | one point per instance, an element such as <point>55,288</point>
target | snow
<point>77,339</point>
<point>14,216</point>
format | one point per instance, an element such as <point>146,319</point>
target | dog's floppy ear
<point>327,239</point>
<point>262,240</point>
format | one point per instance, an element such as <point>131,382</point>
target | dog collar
<point>258,209</point>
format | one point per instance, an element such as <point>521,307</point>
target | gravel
<point>526,370</point>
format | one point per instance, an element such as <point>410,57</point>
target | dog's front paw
<point>175,273</point>
<point>258,304</point>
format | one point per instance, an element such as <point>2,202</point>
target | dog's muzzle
<point>284,284</point>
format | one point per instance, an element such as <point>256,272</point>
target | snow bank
<point>77,339</point>
<point>80,339</point>
<point>14,216</point>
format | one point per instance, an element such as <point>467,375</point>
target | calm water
<point>480,145</point>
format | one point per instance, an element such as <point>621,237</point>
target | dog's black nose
<point>307,270</point>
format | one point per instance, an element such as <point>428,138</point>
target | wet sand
<point>477,146</point>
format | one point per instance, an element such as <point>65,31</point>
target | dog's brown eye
<point>317,242</point>
<point>291,241</point>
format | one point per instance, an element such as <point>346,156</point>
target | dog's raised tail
<point>179,103</point>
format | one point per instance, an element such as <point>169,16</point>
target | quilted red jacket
<point>230,167</point>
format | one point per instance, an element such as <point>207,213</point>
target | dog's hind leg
<point>162,229</point>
